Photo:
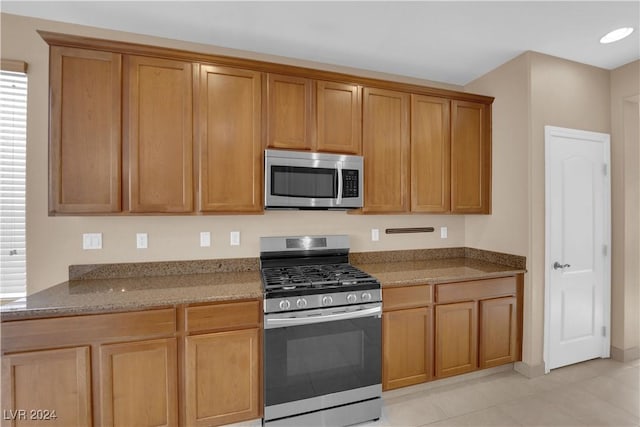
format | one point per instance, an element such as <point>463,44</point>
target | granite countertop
<point>420,272</point>
<point>105,288</point>
<point>93,296</point>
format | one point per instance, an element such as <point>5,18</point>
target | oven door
<point>321,359</point>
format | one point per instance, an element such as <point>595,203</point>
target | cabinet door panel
<point>339,109</point>
<point>50,380</point>
<point>138,383</point>
<point>385,136</point>
<point>85,132</point>
<point>290,112</point>
<point>430,154</point>
<point>456,338</point>
<point>230,143</point>
<point>407,343</point>
<point>498,331</point>
<point>222,377</point>
<point>158,128</point>
<point>471,158</point>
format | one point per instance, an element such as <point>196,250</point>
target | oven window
<point>292,181</point>
<point>307,361</point>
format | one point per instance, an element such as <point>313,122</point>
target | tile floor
<point>600,392</point>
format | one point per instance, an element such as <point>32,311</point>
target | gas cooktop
<point>315,276</point>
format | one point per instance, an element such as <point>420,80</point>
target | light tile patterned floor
<point>600,392</point>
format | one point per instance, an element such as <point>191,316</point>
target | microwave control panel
<point>350,183</point>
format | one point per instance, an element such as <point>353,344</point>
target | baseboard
<point>627,355</point>
<point>529,371</point>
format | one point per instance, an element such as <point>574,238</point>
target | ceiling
<point>447,41</point>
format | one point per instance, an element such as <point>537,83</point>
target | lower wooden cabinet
<point>139,383</point>
<point>49,387</point>
<point>407,342</point>
<point>498,331</point>
<point>222,377</point>
<point>456,338</point>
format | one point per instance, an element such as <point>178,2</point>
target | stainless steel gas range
<point>322,334</point>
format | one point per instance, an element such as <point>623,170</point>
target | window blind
<point>13,167</point>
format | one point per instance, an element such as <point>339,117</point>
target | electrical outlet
<point>234,238</point>
<point>443,232</point>
<point>142,240</point>
<point>205,239</point>
<point>92,241</point>
<point>375,234</point>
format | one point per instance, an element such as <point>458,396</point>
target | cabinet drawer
<point>475,290</point>
<point>80,330</point>
<point>223,316</point>
<point>407,297</point>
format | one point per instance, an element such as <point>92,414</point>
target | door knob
<point>558,266</point>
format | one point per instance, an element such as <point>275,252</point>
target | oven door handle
<point>299,321</point>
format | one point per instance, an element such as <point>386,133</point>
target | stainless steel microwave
<point>304,180</point>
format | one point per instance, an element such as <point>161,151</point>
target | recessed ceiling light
<point>616,35</point>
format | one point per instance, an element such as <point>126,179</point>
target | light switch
<point>92,241</point>
<point>234,238</point>
<point>375,234</point>
<point>142,240</point>
<point>205,239</point>
<point>443,232</point>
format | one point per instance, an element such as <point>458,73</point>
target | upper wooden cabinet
<point>310,115</point>
<point>158,129</point>
<point>385,136</point>
<point>339,120</point>
<point>290,117</point>
<point>470,157</point>
<point>430,154</point>
<point>85,131</point>
<point>230,145</point>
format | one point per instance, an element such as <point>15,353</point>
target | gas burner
<point>315,276</point>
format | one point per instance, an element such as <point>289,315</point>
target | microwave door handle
<point>339,200</point>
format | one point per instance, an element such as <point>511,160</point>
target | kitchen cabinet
<point>339,123</point>
<point>470,157</point>
<point>103,369</point>
<point>139,383</point>
<point>430,154</point>
<point>456,338</point>
<point>52,386</point>
<point>158,134</point>
<point>222,363</point>
<point>230,143</point>
<point>290,112</point>
<point>436,331</point>
<point>313,115</point>
<point>85,140</point>
<point>407,336</point>
<point>498,331</point>
<point>385,142</point>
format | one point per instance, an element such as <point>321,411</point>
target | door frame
<point>603,138</point>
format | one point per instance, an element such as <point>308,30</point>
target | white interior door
<point>577,314</point>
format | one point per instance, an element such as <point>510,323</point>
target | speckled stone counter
<point>104,288</point>
<point>431,266</point>
<point>92,296</point>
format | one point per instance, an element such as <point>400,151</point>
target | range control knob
<point>352,298</point>
<point>327,300</point>
<point>366,296</point>
<point>301,303</point>
<point>284,304</point>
